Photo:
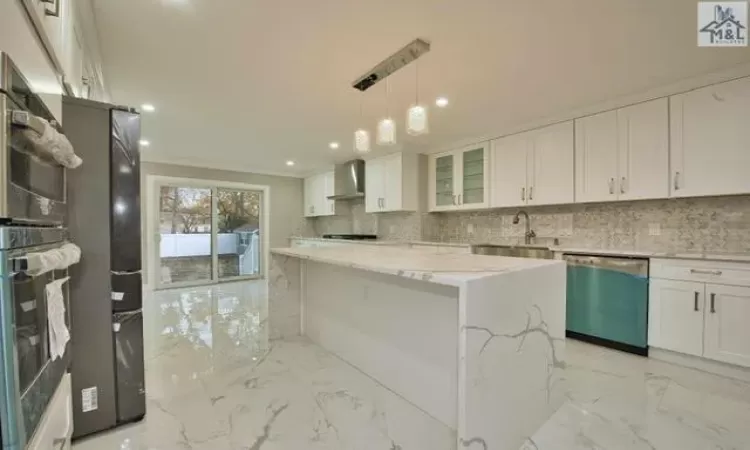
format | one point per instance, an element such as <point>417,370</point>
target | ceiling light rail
<point>388,66</point>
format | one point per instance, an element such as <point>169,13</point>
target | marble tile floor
<point>215,382</point>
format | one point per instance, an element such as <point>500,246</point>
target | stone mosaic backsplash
<point>711,224</point>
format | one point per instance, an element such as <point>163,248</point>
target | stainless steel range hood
<point>349,180</point>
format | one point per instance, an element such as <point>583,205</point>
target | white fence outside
<point>179,245</point>
<point>185,245</point>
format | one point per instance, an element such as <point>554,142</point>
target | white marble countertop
<point>383,242</point>
<point>449,269</point>
<point>643,253</point>
<point>711,256</point>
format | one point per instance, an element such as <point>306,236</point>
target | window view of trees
<point>188,210</point>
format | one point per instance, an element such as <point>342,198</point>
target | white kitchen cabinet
<point>328,206</point>
<point>727,335</point>
<point>676,316</point>
<point>710,140</point>
<point>551,176</point>
<point>310,195</point>
<point>392,183</point>
<point>317,190</point>
<point>596,157</point>
<point>509,175</point>
<point>459,179</point>
<point>701,308</point>
<point>374,185</point>
<point>533,168</point>
<point>623,154</point>
<point>643,165</point>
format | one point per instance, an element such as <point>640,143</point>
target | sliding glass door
<point>207,234</point>
<point>239,232</point>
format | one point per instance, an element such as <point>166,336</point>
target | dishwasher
<point>607,301</point>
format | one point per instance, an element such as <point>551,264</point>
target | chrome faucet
<point>529,235</point>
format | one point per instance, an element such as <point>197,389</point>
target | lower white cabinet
<point>676,316</point>
<point>56,427</point>
<point>698,316</point>
<point>727,334</point>
<point>317,190</point>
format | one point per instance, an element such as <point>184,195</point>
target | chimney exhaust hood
<point>349,180</point>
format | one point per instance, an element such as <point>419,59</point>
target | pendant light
<point>387,126</point>
<point>416,116</point>
<point>361,136</point>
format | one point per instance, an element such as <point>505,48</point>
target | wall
<point>286,200</point>
<point>715,224</point>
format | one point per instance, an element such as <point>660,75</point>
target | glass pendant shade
<point>416,121</point>
<point>362,141</point>
<point>386,132</point>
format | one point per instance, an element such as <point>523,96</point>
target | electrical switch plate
<point>470,229</point>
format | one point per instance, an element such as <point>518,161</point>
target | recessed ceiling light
<point>441,102</point>
<point>334,145</point>
<point>148,107</point>
<point>144,143</point>
<point>290,163</point>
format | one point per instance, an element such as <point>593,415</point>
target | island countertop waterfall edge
<point>492,345</point>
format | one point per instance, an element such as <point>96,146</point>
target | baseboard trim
<point>702,364</point>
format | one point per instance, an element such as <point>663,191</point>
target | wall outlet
<point>654,229</point>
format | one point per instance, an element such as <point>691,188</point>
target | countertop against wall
<point>633,253</point>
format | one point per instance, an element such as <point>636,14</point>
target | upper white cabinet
<point>317,190</point>
<point>460,179</point>
<point>710,145</point>
<point>623,154</point>
<point>643,160</point>
<point>533,168</point>
<point>392,183</point>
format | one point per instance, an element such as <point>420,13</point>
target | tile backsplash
<point>711,224</point>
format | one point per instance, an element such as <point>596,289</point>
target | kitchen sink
<point>516,251</point>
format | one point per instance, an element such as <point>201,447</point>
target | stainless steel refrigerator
<point>105,221</point>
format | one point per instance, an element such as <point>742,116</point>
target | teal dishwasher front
<point>607,301</point>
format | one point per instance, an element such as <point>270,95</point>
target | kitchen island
<point>476,342</point>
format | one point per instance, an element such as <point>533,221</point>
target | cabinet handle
<point>523,193</point>
<point>695,303</point>
<point>622,185</point>
<point>713,303</point>
<point>677,181</point>
<point>531,193</point>
<point>55,12</point>
<point>382,200</point>
<point>611,185</point>
<point>460,201</point>
<point>454,199</point>
<point>706,272</point>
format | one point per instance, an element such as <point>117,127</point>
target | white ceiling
<point>249,84</point>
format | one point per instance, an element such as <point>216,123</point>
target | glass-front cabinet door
<point>473,192</point>
<point>445,181</point>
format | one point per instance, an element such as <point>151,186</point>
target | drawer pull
<point>713,303</point>
<point>695,303</point>
<point>706,272</point>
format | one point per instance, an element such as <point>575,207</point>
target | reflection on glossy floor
<point>215,382</point>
